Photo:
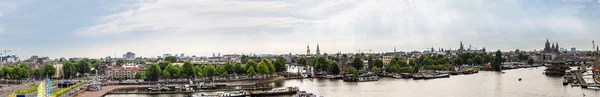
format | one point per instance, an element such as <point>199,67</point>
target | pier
<point>579,76</point>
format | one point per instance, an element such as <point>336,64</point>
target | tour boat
<point>288,90</point>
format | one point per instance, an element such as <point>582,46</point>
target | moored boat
<point>288,90</point>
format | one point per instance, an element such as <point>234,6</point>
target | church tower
<point>461,46</point>
<point>318,51</point>
<point>307,50</point>
<point>547,46</point>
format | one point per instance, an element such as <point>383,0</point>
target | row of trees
<point>187,70</point>
<point>22,71</point>
<point>323,64</point>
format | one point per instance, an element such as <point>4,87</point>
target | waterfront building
<point>126,71</point>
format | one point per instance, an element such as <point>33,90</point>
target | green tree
<point>239,69</point>
<point>166,74</point>
<point>394,69</point>
<point>458,61</point>
<point>198,71</point>
<point>49,70</point>
<point>378,63</point>
<point>221,71</point>
<point>392,63</point>
<point>229,68</point>
<point>173,70</point>
<point>163,64</point>
<point>374,69</point>
<point>443,60</point>
<point>487,58</point>
<point>37,73</point>
<point>333,68</point>
<point>357,63</point>
<point>530,61</point>
<point>250,63</point>
<point>351,70</point>
<point>262,68</point>
<point>153,72</point>
<point>24,66</point>
<point>280,64</point>
<point>139,75</point>
<point>120,62</point>
<point>188,69</point>
<point>470,61</point>
<point>497,61</point>
<point>209,70</point>
<point>302,61</point>
<point>5,71</point>
<point>402,63</point>
<point>22,72</point>
<point>69,69</point>
<point>171,59</point>
<point>251,71</point>
<point>478,60</point>
<point>11,73</point>
<point>83,67</point>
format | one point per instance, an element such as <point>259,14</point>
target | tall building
<point>461,46</point>
<point>129,55</point>
<point>182,55</point>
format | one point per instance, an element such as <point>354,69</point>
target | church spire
<point>307,50</point>
<point>318,51</point>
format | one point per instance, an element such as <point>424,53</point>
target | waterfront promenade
<point>107,89</point>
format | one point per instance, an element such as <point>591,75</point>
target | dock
<point>579,76</point>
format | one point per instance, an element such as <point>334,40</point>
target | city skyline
<point>97,29</point>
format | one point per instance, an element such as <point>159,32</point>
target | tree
<point>22,72</point>
<point>229,68</point>
<point>470,61</point>
<point>166,74</point>
<point>280,64</point>
<point>443,60</point>
<point>321,63</point>
<point>139,75</point>
<point>530,61</point>
<point>412,63</point>
<point>188,69</point>
<point>262,68</point>
<point>394,69</point>
<point>375,69</point>
<point>69,69</point>
<point>4,71</point>
<point>171,59</point>
<point>357,63</point>
<point>478,60</point>
<point>378,63</point>
<point>250,63</point>
<point>251,71</point>
<point>198,71</point>
<point>302,61</point>
<point>173,71</point>
<point>458,61</point>
<point>49,70</point>
<point>163,65</point>
<point>153,72</point>
<point>83,67</point>
<point>392,63</point>
<point>497,61</point>
<point>239,69</point>
<point>37,73</point>
<point>221,71</point>
<point>209,70</point>
<point>120,62</point>
<point>402,63</point>
<point>24,66</point>
<point>333,68</point>
<point>487,58</point>
<point>269,65</point>
<point>352,71</point>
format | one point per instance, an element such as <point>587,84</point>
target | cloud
<point>342,25</point>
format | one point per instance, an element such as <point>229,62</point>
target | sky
<point>150,28</point>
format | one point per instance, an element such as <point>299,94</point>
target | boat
<point>288,90</point>
<point>557,69</point>
<point>368,78</point>
<point>454,73</point>
<point>305,94</point>
<point>349,78</point>
<point>207,86</point>
<point>433,76</point>
<point>232,94</point>
<point>159,87</point>
<point>334,76</point>
<point>418,76</point>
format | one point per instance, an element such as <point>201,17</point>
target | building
<point>59,71</point>
<point>551,49</point>
<point>573,50</point>
<point>468,50</point>
<point>318,50</point>
<point>129,55</point>
<point>125,72</point>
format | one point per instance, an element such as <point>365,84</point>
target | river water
<point>482,84</point>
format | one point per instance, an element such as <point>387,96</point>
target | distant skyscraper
<point>182,55</point>
<point>129,55</point>
<point>573,49</point>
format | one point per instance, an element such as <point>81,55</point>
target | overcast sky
<point>100,28</point>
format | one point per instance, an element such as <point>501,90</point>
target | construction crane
<point>5,52</point>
